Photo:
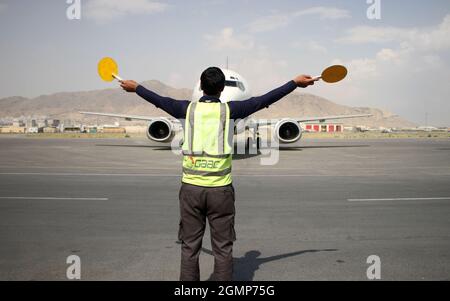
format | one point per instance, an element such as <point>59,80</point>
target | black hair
<point>212,81</point>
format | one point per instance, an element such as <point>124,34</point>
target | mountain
<point>303,105</point>
<point>66,105</point>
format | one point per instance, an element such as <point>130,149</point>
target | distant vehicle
<point>285,130</point>
<point>362,129</point>
<point>33,130</point>
<point>427,128</point>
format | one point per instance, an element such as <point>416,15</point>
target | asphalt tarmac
<point>317,214</point>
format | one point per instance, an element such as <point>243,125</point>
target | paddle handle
<point>317,78</point>
<point>117,77</point>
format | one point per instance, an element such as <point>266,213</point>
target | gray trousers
<point>196,204</point>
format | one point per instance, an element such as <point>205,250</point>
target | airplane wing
<point>324,118</point>
<point>126,117</point>
<point>308,119</point>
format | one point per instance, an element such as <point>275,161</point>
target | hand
<point>304,81</point>
<point>129,85</point>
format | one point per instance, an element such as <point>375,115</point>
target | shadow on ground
<point>154,147</point>
<point>168,147</point>
<point>297,148</point>
<point>244,268</point>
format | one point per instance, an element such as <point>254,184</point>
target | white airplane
<point>285,130</point>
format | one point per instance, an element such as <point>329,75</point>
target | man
<point>207,190</point>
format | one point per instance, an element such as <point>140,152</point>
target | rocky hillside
<point>66,106</point>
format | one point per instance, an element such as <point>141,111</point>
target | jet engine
<point>287,131</point>
<point>160,130</point>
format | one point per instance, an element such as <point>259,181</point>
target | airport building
<point>50,126</point>
<point>18,123</point>
<point>324,127</point>
<point>113,130</point>
<point>71,129</point>
<point>91,129</point>
<point>49,130</point>
<point>31,123</point>
<point>13,130</point>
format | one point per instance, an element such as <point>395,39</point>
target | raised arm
<point>175,108</point>
<point>245,108</point>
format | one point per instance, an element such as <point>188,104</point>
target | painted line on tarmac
<point>51,198</point>
<point>179,175</point>
<point>159,175</point>
<point>84,174</point>
<point>400,199</point>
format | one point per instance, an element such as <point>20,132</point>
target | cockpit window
<point>231,83</point>
<point>237,84</point>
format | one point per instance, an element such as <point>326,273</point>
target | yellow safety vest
<point>207,145</point>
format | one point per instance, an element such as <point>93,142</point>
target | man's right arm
<point>175,108</point>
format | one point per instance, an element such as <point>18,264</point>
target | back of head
<point>212,81</point>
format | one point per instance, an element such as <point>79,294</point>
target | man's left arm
<point>175,108</point>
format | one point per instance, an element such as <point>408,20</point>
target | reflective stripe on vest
<point>206,148</point>
<point>207,173</point>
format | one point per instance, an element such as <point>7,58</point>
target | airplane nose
<point>227,96</point>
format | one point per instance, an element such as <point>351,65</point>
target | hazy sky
<point>400,63</point>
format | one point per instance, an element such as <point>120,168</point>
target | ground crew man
<point>207,190</point>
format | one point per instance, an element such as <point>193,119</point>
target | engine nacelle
<point>287,131</point>
<point>160,130</point>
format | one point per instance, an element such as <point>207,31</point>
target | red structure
<point>324,127</point>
